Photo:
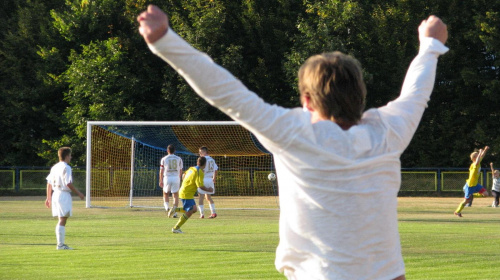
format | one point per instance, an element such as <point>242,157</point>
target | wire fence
<point>418,181</point>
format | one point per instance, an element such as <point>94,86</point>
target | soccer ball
<point>271,177</point>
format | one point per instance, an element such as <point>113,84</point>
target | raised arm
<point>212,82</point>
<point>404,114</point>
<point>492,169</point>
<point>481,155</point>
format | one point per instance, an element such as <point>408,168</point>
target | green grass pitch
<point>239,244</point>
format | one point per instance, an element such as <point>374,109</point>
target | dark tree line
<point>63,63</point>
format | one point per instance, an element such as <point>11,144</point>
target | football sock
<point>212,208</point>
<point>180,209</point>
<point>60,234</point>
<point>202,208</point>
<point>166,205</point>
<point>460,207</point>
<point>181,221</point>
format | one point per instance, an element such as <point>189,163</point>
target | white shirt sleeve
<point>221,89</point>
<point>404,114</point>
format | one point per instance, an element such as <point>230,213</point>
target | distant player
<point>472,185</point>
<point>170,179</point>
<point>59,188</point>
<point>193,180</point>
<point>210,171</point>
<point>495,189</point>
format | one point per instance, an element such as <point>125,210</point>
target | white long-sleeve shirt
<point>338,188</point>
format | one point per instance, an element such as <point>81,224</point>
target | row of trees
<point>65,62</point>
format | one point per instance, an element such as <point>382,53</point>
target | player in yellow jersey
<point>193,179</point>
<point>472,184</point>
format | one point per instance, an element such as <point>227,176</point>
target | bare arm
<point>481,155</point>
<point>48,201</point>
<point>75,190</point>
<point>206,189</point>
<point>215,175</point>
<point>161,176</point>
<point>492,169</point>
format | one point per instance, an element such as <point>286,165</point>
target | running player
<point>170,179</point>
<point>210,171</point>
<point>59,188</point>
<point>472,185</point>
<point>193,180</point>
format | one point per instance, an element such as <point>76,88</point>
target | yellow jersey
<point>474,171</point>
<point>193,179</point>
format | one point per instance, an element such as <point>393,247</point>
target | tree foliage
<point>64,63</point>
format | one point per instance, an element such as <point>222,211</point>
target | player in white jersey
<point>338,166</point>
<point>170,179</point>
<point>495,188</point>
<point>59,187</point>
<point>209,182</point>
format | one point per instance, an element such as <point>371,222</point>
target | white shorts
<point>171,184</point>
<point>62,204</point>
<point>208,183</point>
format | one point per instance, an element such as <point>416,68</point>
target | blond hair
<point>334,84</point>
<point>473,156</point>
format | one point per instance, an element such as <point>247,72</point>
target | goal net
<point>123,163</point>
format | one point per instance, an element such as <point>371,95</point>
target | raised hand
<point>153,24</point>
<point>435,28</point>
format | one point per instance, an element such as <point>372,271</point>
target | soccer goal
<point>123,163</point>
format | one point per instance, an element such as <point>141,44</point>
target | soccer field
<point>127,243</point>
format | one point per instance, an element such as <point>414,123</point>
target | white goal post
<point>123,162</point>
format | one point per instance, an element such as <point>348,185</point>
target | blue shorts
<point>188,204</point>
<point>469,191</point>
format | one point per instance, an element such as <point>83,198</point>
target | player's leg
<point>201,198</point>
<point>461,206</point>
<point>209,183</point>
<point>212,206</point>
<point>479,191</point>
<point>172,213</point>
<point>62,207</point>
<point>174,189</point>
<point>468,194</point>
<point>469,204</point>
<point>165,198</point>
<point>190,207</point>
<point>496,195</point>
<point>61,232</point>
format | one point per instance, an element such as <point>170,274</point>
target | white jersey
<point>60,176</point>
<point>338,188</point>
<point>496,184</point>
<point>172,165</point>
<point>210,168</point>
